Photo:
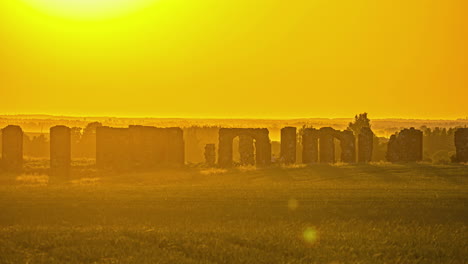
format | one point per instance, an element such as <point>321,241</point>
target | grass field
<point>378,213</point>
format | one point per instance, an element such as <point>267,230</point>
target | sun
<point>88,9</point>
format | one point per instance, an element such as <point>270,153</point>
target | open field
<point>379,213</point>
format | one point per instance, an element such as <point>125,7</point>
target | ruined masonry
<point>210,154</point>
<point>12,148</point>
<point>461,145</point>
<point>247,137</point>
<point>406,146</point>
<point>365,145</point>
<point>288,145</point>
<point>139,147</point>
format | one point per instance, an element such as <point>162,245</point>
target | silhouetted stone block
<point>327,145</point>
<point>113,148</point>
<point>288,145</point>
<point>406,146</point>
<point>365,145</point>
<point>210,154</point>
<point>262,145</point>
<point>12,148</point>
<point>310,137</point>
<point>60,151</point>
<point>461,145</point>
<point>348,146</point>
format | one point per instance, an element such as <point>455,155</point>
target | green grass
<point>378,213</point>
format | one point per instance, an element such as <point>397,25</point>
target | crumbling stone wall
<point>12,148</point>
<point>60,151</point>
<point>365,145</point>
<point>262,145</point>
<point>406,146</point>
<point>139,147</point>
<point>310,137</point>
<point>288,145</point>
<point>327,145</point>
<point>461,145</point>
<point>348,145</point>
<point>210,154</point>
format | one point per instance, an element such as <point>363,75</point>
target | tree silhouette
<point>360,121</point>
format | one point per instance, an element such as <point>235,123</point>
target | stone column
<point>288,145</point>
<point>12,148</point>
<point>461,145</point>
<point>365,145</point>
<point>310,138</point>
<point>263,148</point>
<point>246,150</point>
<point>348,147</point>
<point>210,154</point>
<point>60,151</point>
<point>176,149</point>
<point>406,146</point>
<point>225,148</point>
<point>327,145</point>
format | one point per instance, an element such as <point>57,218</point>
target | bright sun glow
<point>88,9</point>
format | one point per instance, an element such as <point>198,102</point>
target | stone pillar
<point>12,148</point>
<point>288,145</point>
<point>263,148</point>
<point>176,149</point>
<point>406,146</point>
<point>210,154</point>
<point>461,145</point>
<point>348,146</point>
<point>225,148</point>
<point>327,145</point>
<point>310,138</point>
<point>246,150</point>
<point>60,151</point>
<point>365,145</point>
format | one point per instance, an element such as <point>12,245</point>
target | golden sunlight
<point>88,9</point>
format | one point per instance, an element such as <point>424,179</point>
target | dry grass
<point>378,213</point>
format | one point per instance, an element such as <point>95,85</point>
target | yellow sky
<point>243,58</point>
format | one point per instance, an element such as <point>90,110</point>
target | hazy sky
<point>243,58</point>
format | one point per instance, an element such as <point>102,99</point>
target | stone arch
<point>247,137</point>
<point>319,145</point>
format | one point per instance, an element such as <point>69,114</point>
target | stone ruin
<point>210,154</point>
<point>288,145</point>
<point>319,145</point>
<point>12,148</point>
<point>139,147</point>
<point>60,151</point>
<point>247,137</point>
<point>461,145</point>
<point>365,145</point>
<point>406,146</point>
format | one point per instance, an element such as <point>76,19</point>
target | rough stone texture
<point>210,154</point>
<point>406,146</point>
<point>327,145</point>
<point>310,137</point>
<point>365,145</point>
<point>139,147</point>
<point>246,150</point>
<point>60,151</point>
<point>262,145</point>
<point>461,145</point>
<point>348,145</point>
<point>12,148</point>
<point>288,145</point>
